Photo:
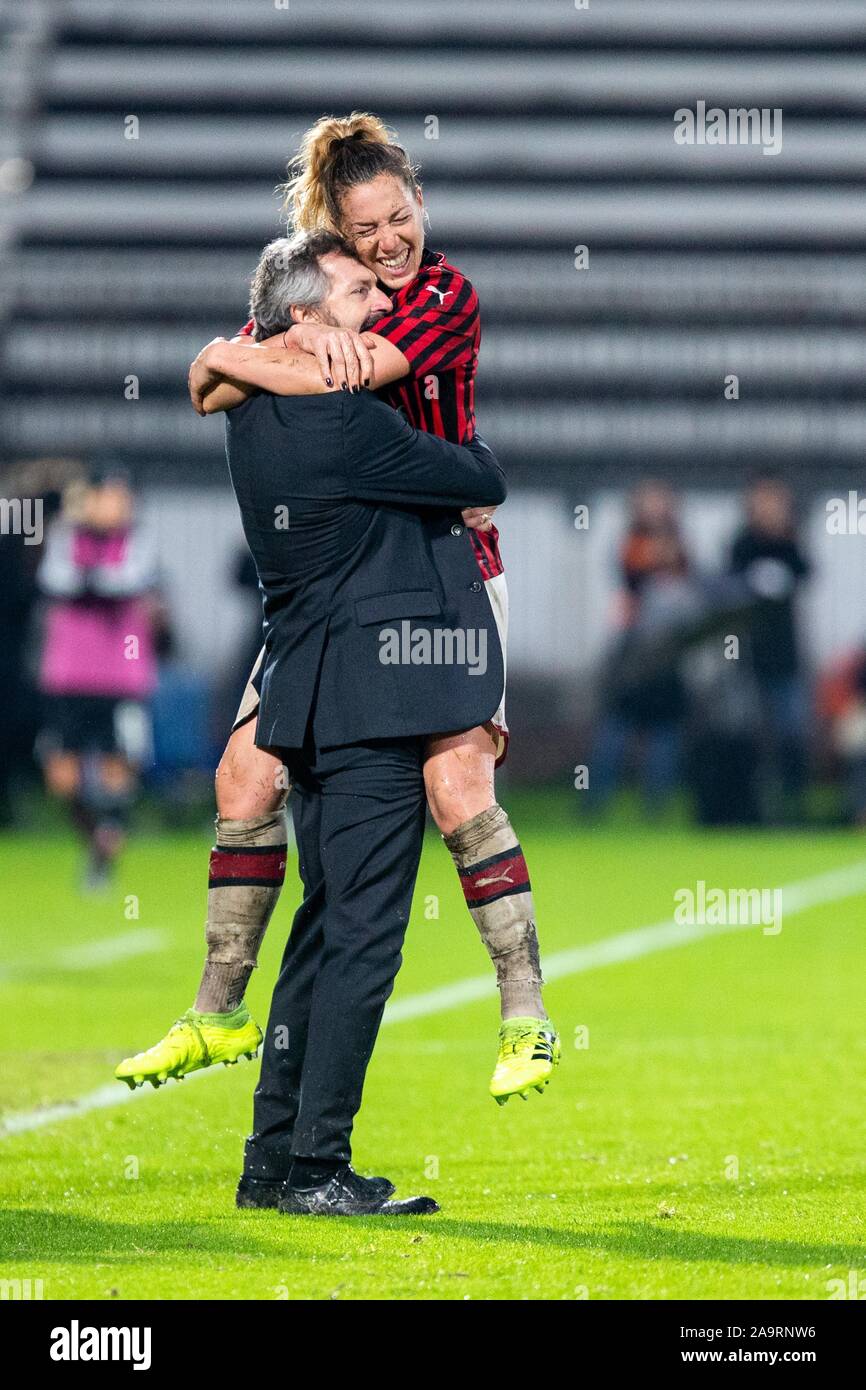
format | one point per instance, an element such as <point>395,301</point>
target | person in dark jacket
<point>769,555</point>
<point>378,634</point>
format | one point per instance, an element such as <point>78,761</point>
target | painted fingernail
<point>328,381</point>
<point>356,390</point>
<point>344,385</point>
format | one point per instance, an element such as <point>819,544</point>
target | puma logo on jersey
<point>499,878</point>
<point>443,294</point>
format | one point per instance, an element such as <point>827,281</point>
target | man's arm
<point>389,461</point>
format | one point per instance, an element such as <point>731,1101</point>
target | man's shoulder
<point>264,407</point>
<point>285,439</point>
<point>366,410</point>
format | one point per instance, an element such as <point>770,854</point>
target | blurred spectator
<point>768,554</point>
<point>842,703</point>
<point>724,746</point>
<point>36,483</point>
<point>98,663</point>
<point>645,704</point>
<point>653,548</point>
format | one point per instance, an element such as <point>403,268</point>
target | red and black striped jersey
<point>436,324</point>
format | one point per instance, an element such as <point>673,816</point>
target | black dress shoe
<point>258,1192</point>
<point>264,1193</point>
<point>348,1194</point>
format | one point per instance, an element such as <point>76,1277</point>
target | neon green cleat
<point>194,1042</point>
<point>528,1051</point>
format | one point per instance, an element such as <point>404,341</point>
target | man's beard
<point>366,326</point>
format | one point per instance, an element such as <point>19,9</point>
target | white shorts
<point>250,698</point>
<point>497,592</point>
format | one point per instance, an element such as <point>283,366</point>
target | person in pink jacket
<point>98,666</point>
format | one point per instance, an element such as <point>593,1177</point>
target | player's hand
<point>202,377</point>
<point>479,518</point>
<point>343,356</point>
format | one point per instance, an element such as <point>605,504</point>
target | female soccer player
<point>350,178</point>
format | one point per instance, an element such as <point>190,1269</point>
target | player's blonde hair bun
<point>337,153</point>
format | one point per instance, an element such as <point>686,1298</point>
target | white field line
<point>818,891</point>
<point>91,955</point>
<point>141,942</point>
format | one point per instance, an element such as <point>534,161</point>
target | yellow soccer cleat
<point>194,1042</point>
<point>528,1051</point>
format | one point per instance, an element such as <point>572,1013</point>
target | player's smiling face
<point>384,221</point>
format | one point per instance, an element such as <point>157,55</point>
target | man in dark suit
<point>378,634</point>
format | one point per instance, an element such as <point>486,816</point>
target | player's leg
<point>459,780</point>
<point>61,747</point>
<point>96,787</point>
<point>111,740</point>
<point>62,773</point>
<point>247,863</point>
<point>247,867</point>
<point>246,872</point>
<point>107,790</point>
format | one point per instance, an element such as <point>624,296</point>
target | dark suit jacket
<point>371,589</point>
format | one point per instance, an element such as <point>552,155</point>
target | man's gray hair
<point>289,273</point>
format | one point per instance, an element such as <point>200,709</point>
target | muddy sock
<point>247,869</point>
<point>495,883</point>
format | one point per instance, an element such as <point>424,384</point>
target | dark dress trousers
<point>353,520</point>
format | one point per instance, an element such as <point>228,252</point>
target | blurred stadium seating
<point>555,129</point>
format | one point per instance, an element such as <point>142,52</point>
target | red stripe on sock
<point>480,884</point>
<point>270,867</point>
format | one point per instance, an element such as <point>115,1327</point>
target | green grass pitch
<point>707,1143</point>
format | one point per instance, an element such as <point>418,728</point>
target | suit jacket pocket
<point>411,603</point>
